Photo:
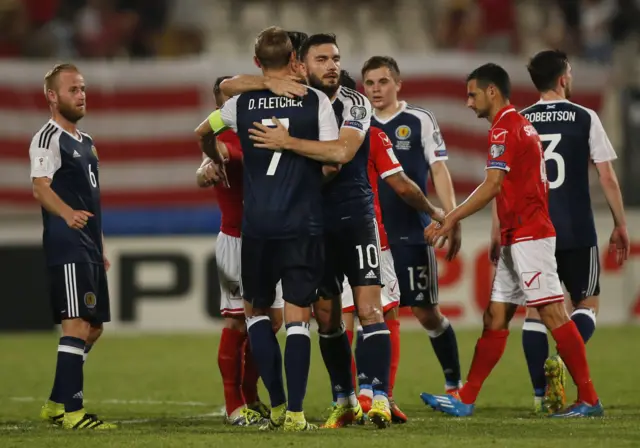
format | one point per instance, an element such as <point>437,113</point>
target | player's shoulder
<point>425,116</point>
<point>317,93</point>
<point>352,97</point>
<point>87,136</point>
<point>47,136</point>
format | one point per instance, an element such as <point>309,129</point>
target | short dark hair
<point>546,67</point>
<point>298,38</point>
<point>376,62</point>
<point>216,87</point>
<point>273,48</point>
<point>492,74</point>
<point>347,80</point>
<point>317,39</point>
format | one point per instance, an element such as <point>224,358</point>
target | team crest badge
<point>94,151</point>
<point>403,132</point>
<point>90,300</point>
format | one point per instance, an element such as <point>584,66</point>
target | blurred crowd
<point>590,29</point>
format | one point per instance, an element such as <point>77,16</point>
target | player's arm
<point>410,193</point>
<point>494,250</point>
<point>602,154</point>
<point>289,87</point>
<point>435,152</point>
<point>444,185</point>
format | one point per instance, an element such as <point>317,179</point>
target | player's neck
<point>389,111</point>
<point>552,95</point>
<point>496,109</point>
<point>281,73</point>
<point>65,124</point>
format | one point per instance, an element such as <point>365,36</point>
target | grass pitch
<point>166,391</point>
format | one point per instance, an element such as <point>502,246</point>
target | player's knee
<point>95,331</point>
<point>236,324</point>
<point>276,319</point>
<point>591,303</point>
<point>429,317</point>
<point>77,328</point>
<point>553,315</point>
<point>494,319</point>
<point>370,313</point>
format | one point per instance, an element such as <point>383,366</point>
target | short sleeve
<point>226,117</point>
<point>45,156</point>
<point>382,155</point>
<point>502,147</point>
<point>599,145</point>
<point>357,110</point>
<point>327,124</point>
<point>432,141</point>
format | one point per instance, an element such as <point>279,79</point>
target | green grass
<point>183,368</point>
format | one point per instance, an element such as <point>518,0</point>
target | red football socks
<point>394,329</point>
<point>489,350</point>
<point>230,362</point>
<point>250,376</point>
<point>572,351</point>
<point>354,373</point>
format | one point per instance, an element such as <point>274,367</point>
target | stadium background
<point>149,68</point>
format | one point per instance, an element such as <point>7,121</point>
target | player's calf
<point>444,342</point>
<point>571,348</point>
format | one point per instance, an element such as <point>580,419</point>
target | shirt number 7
<point>277,155</point>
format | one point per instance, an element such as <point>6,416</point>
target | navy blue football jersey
<point>71,162</point>
<point>282,191</point>
<point>349,197</point>
<point>417,143</point>
<point>573,138</point>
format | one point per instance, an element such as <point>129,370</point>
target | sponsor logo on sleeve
<point>497,164</point>
<point>353,124</point>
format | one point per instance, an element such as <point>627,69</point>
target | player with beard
<point>574,139</point>
<point>64,172</point>
<point>237,367</point>
<point>526,269</point>
<point>351,239</point>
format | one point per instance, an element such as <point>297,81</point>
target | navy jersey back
<point>417,143</point>
<point>572,137</point>
<point>282,191</point>
<point>71,162</point>
<point>349,196</point>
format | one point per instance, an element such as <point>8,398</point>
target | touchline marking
<point>127,402</point>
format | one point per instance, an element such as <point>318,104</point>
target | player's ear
<point>52,97</point>
<point>257,62</point>
<point>564,80</point>
<point>398,85</point>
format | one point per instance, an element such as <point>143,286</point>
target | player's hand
<point>267,137</point>
<point>455,242</point>
<point>213,173</point>
<point>438,215</point>
<point>107,263</point>
<point>494,251</point>
<point>77,219</point>
<point>619,244</point>
<point>437,233</point>
<point>289,87</point>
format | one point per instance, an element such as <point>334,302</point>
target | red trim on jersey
<point>230,199</point>
<point>232,312</point>
<point>382,163</point>
<point>545,301</point>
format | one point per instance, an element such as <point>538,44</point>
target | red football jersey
<point>523,209</point>
<point>230,199</point>
<point>382,163</point>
